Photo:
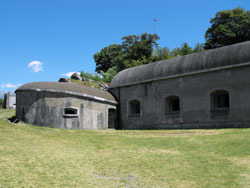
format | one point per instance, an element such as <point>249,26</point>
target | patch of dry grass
<point>164,133</point>
<point>85,83</point>
<point>244,163</point>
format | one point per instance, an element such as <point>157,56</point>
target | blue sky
<point>41,40</point>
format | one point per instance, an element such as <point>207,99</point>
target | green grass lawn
<point>32,156</point>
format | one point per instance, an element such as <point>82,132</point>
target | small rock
<point>63,80</point>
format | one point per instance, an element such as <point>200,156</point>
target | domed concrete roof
<point>210,59</point>
<point>70,88</point>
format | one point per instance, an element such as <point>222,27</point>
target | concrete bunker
<point>9,101</point>
<point>209,89</point>
<point>65,106</point>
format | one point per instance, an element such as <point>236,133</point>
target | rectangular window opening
<point>70,112</point>
<point>172,105</point>
<point>134,108</point>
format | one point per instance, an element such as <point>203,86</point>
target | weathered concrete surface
<point>233,55</point>
<point>47,108</point>
<point>69,88</point>
<point>9,101</point>
<point>193,89</point>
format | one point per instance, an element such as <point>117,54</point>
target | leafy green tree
<point>165,53</point>
<point>139,47</point>
<point>120,62</point>
<point>175,52</point>
<point>199,47</point>
<point>136,50</point>
<point>109,75</point>
<point>105,58</point>
<point>161,53</point>
<point>228,27</point>
<point>185,49</point>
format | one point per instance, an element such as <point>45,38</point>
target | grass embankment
<point>32,156</point>
<point>86,83</point>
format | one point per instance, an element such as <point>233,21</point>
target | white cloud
<point>9,85</point>
<point>36,66</point>
<point>69,74</point>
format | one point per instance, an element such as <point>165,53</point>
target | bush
<point>95,77</point>
<point>109,75</point>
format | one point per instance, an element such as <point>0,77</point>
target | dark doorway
<point>112,119</point>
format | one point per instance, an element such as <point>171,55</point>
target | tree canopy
<point>139,47</point>
<point>105,58</point>
<point>228,27</point>
<point>136,50</point>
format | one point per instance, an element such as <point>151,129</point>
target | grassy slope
<point>88,84</point>
<point>32,156</point>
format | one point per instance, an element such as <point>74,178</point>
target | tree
<point>105,58</point>
<point>228,27</point>
<point>139,47</point>
<point>161,53</point>
<point>109,75</point>
<point>199,47</point>
<point>176,52</point>
<point>136,50</point>
<point>185,49</point>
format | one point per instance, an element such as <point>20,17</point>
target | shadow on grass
<point>13,119</point>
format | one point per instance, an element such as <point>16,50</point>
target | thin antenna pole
<point>154,26</point>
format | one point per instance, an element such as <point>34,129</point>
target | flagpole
<point>154,26</point>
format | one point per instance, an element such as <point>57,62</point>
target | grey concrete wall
<point>195,105</point>
<point>44,108</point>
<point>9,101</point>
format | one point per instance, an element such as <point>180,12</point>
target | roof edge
<point>185,74</point>
<point>71,93</point>
<point>214,59</point>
